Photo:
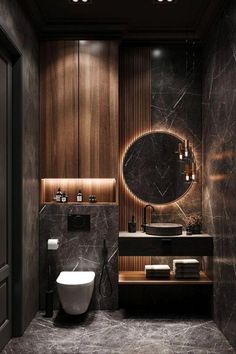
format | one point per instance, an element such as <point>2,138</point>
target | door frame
<point>15,170</point>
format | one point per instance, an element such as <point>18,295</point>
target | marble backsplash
<point>219,180</point>
<point>81,250</point>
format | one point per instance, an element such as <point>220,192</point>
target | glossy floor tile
<point>120,332</point>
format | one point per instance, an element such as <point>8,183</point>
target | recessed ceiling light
<point>157,53</point>
<point>85,2</point>
<point>163,1</point>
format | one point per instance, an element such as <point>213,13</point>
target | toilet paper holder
<point>53,244</point>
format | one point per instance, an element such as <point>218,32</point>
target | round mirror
<point>152,169</point>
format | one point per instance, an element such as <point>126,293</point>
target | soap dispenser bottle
<point>64,198</point>
<point>132,225</point>
<point>79,197</point>
<point>58,195</point>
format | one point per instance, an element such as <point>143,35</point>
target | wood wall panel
<point>59,75</point>
<point>98,109</point>
<point>135,119</point>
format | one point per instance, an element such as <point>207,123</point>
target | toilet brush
<point>49,296</point>
<point>49,303</point>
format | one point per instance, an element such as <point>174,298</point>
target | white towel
<point>157,267</point>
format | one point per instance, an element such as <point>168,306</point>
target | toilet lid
<point>75,278</point>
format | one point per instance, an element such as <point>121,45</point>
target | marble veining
<point>81,250</point>
<point>152,169</point>
<point>120,332</point>
<point>176,108</point>
<point>219,132</point>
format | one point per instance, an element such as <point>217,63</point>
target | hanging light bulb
<point>186,148</point>
<point>180,152</point>
<point>186,172</point>
<point>194,171</point>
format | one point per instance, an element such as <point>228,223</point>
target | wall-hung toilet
<point>75,291</point>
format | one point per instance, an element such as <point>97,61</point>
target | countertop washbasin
<point>163,229</point>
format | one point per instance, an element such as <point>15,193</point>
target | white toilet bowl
<point>75,291</point>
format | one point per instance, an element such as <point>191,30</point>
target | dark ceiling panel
<point>123,18</point>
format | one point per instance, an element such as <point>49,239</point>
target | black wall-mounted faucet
<point>145,216</point>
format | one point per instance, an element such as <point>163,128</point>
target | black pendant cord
<point>105,270</point>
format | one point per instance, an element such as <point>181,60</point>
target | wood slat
<point>135,119</point>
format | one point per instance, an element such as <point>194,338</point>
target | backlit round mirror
<point>152,169</point>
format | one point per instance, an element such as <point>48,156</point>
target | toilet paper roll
<point>53,244</point>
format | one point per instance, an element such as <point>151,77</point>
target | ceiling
<point>127,19</point>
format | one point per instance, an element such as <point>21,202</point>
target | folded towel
<point>157,267</point>
<point>157,272</point>
<point>197,276</point>
<point>185,261</point>
<point>187,273</point>
<point>188,269</point>
<point>157,276</point>
<point>186,264</point>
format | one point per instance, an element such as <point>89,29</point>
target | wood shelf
<point>139,278</point>
<point>80,204</point>
<point>103,188</point>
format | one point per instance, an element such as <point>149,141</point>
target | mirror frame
<point>190,184</point>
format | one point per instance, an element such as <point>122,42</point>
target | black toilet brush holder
<point>49,303</point>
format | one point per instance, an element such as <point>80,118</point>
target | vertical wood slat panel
<point>98,109</point>
<point>135,119</point>
<point>59,109</point>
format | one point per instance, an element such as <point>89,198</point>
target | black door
<point>5,198</point>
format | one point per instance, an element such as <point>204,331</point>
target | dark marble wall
<point>176,108</point>
<point>16,24</point>
<point>81,250</point>
<point>219,182</point>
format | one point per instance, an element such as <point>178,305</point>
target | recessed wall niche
<point>103,188</point>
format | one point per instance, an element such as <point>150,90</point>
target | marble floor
<point>104,332</point>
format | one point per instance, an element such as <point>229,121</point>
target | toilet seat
<point>75,278</point>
